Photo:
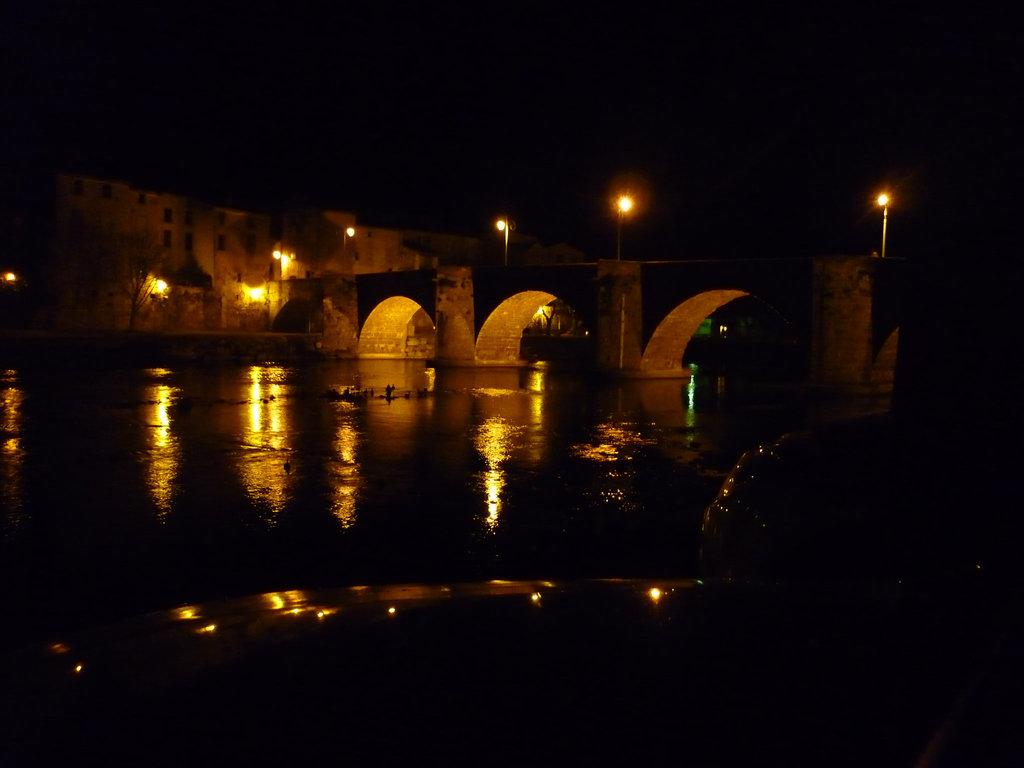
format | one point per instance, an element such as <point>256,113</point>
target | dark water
<point>128,490</point>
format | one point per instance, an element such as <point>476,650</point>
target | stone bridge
<point>844,311</point>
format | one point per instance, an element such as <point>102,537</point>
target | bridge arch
<point>664,352</point>
<point>300,315</point>
<point>397,327</point>
<point>501,333</point>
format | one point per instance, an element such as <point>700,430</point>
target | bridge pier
<point>341,317</point>
<point>842,331</point>
<point>619,317</point>
<point>454,317</point>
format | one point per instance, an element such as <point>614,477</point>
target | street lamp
<point>505,225</point>
<point>284,258</point>
<point>883,200</point>
<point>622,205</point>
<point>349,232</point>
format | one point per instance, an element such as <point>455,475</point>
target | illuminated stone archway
<point>499,339</point>
<point>664,352</point>
<point>397,327</point>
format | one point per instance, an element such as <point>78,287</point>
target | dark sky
<point>748,129</point>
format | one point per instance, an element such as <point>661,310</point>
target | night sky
<point>746,129</point>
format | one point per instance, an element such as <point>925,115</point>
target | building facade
<point>127,257</point>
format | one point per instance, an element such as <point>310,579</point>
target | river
<point>123,490</point>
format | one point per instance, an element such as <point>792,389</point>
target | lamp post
<point>883,200</point>
<point>505,225</point>
<point>622,205</point>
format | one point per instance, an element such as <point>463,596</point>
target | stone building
<point>131,257</point>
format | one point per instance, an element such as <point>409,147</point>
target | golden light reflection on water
<point>345,473</point>
<point>535,381</point>
<point>610,442</point>
<point>12,451</point>
<point>615,444</point>
<point>493,440</point>
<point>164,456</point>
<point>291,600</point>
<point>265,467</point>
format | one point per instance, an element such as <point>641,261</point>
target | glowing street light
<point>505,225</point>
<point>283,257</point>
<point>883,200</point>
<point>622,206</point>
<point>349,232</point>
<point>10,277</point>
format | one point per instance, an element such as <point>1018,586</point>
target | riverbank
<point>131,349</point>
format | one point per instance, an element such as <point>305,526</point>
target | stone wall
<point>456,330</point>
<point>841,342</point>
<point>341,321</point>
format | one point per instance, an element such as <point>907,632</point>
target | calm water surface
<point>128,490</point>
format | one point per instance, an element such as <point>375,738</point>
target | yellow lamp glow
<point>883,200</point>
<point>160,286</point>
<point>256,293</point>
<point>351,231</point>
<point>505,225</point>
<point>10,277</point>
<point>623,205</point>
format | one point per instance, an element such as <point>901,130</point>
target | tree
<point>129,261</point>
<point>140,259</point>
